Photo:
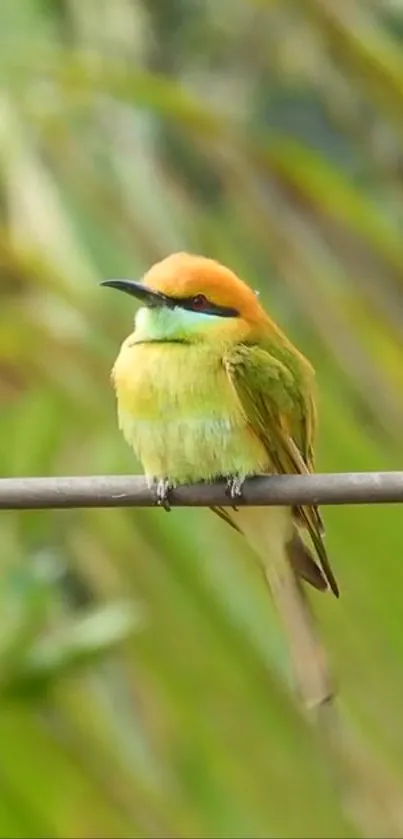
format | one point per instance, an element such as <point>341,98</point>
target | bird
<point>209,387</point>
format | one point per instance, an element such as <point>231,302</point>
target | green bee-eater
<point>208,386</point>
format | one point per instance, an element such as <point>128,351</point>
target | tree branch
<point>132,491</point>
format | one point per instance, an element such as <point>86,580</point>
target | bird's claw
<point>162,488</point>
<point>235,488</point>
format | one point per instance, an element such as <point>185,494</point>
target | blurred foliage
<point>143,679</point>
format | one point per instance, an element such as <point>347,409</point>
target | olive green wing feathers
<point>278,404</point>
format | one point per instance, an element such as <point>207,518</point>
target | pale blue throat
<point>165,324</point>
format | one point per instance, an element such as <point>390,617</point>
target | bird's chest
<point>180,413</point>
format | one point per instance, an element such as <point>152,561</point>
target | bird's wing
<point>222,513</point>
<point>282,415</point>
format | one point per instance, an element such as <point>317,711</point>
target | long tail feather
<point>270,532</point>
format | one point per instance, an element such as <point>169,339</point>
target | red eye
<point>199,302</point>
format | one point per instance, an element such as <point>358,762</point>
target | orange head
<point>188,296</point>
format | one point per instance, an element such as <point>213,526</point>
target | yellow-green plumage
<point>180,412</point>
<point>207,386</point>
<point>219,392</point>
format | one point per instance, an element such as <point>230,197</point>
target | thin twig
<point>132,491</point>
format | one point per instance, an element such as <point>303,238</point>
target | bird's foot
<point>235,488</point>
<point>163,486</point>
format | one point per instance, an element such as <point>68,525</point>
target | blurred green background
<point>144,683</point>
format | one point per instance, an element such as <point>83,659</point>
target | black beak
<point>142,292</point>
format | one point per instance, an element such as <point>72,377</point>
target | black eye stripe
<point>208,308</point>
